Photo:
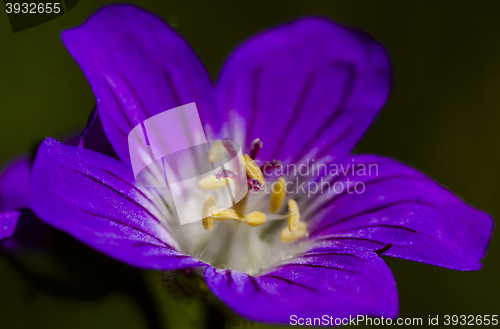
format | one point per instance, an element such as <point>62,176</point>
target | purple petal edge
<point>8,223</point>
<point>93,198</point>
<point>339,282</point>
<point>423,220</point>
<point>310,86</point>
<point>137,66</point>
<point>14,184</point>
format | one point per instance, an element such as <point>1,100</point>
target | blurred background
<point>442,118</point>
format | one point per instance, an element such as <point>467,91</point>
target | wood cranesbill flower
<point>14,195</point>
<point>308,89</point>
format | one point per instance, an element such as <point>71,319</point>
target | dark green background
<point>442,118</point>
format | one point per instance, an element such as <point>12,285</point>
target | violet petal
<point>14,185</point>
<point>94,198</point>
<point>8,223</point>
<point>138,66</point>
<point>340,282</point>
<point>94,137</point>
<point>311,84</point>
<point>424,221</point>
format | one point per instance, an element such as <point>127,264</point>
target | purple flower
<point>14,195</point>
<point>20,229</point>
<point>308,89</point>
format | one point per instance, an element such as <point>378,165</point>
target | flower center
<point>261,230</point>
<point>295,230</point>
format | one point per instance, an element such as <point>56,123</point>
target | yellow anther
<point>255,218</point>
<point>217,150</point>
<point>210,213</point>
<point>210,182</point>
<point>208,223</point>
<point>288,236</point>
<point>208,208</point>
<point>225,214</point>
<point>253,171</point>
<point>278,195</point>
<point>293,215</point>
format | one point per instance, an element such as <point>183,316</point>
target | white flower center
<point>257,233</point>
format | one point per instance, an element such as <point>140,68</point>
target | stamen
<point>255,148</point>
<point>255,218</point>
<point>276,217</point>
<point>225,214</point>
<point>278,195</point>
<point>293,215</point>
<point>208,223</point>
<point>216,152</point>
<point>211,182</point>
<point>288,236</point>
<point>253,171</point>
<point>208,207</point>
